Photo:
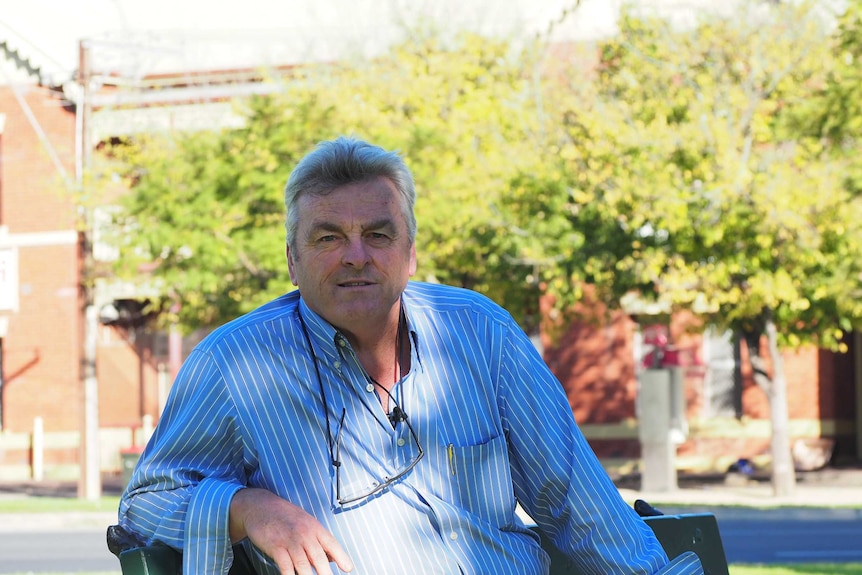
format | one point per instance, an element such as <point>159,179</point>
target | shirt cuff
<point>207,546</point>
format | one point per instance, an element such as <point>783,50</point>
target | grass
<point>56,504</point>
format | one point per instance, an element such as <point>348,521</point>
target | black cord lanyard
<point>395,415</point>
<point>332,458</point>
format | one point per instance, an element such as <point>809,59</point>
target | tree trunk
<point>783,472</point>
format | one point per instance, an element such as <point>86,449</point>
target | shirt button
<point>337,365</point>
<point>369,388</point>
<point>453,536</point>
<point>400,442</point>
<point>341,342</point>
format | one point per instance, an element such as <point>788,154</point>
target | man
<point>370,424</point>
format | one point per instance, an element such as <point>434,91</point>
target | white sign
<point>8,279</point>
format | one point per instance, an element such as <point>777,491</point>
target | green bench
<point>696,532</point>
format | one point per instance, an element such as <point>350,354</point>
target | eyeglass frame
<point>334,457</point>
<point>387,481</point>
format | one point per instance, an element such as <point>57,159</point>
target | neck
<point>384,353</point>
<point>388,360</point>
<point>371,337</point>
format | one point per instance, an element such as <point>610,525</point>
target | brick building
<point>41,347</point>
<point>724,421</point>
<point>43,343</point>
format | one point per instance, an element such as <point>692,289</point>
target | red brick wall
<point>128,383</point>
<point>594,361</point>
<point>34,196</point>
<point>42,348</point>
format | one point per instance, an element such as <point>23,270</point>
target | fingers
<point>294,539</point>
<point>336,553</point>
<point>301,560</point>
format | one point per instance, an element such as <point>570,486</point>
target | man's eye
<point>378,236</point>
<point>327,238</point>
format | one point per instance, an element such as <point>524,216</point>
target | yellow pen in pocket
<point>450,450</point>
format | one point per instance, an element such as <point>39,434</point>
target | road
<point>748,536</point>
<point>787,535</point>
<point>56,552</point>
<point>799,541</point>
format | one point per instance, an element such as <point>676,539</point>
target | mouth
<point>355,283</point>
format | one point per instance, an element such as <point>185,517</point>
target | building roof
<point>132,39</point>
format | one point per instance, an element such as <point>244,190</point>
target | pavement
<point>832,491</point>
<point>836,491</point>
<point>61,520</point>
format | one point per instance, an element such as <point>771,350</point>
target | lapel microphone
<point>396,415</point>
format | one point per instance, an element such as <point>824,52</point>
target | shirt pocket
<point>482,481</point>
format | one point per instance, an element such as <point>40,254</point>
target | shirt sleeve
<point>182,487</point>
<point>560,482</point>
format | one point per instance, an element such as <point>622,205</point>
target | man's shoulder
<point>273,311</point>
<point>442,299</point>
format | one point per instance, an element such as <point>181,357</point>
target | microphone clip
<point>396,415</point>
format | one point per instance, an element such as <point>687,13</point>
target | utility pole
<point>90,482</point>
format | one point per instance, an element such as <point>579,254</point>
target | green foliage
<point>830,116</point>
<point>675,180</point>
<point>702,167</point>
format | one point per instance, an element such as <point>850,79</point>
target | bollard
<point>38,449</point>
<point>658,450</point>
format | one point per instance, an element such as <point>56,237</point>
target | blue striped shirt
<point>494,423</point>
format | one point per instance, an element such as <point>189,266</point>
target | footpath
<point>833,492</point>
<point>836,492</point>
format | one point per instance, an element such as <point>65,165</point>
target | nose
<point>355,254</point>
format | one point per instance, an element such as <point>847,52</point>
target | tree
<point>673,181</point>
<point>831,118</point>
<point>206,208</point>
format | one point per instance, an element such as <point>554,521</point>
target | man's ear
<point>290,265</point>
<point>413,261</point>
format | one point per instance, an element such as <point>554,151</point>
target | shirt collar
<point>333,344</point>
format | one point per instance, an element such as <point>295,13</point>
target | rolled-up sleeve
<point>182,487</point>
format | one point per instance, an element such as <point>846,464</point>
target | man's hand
<point>295,540</point>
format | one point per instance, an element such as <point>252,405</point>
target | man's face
<point>352,256</point>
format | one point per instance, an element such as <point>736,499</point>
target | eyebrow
<point>373,225</point>
<point>380,224</point>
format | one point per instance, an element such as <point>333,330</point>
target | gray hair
<point>344,161</point>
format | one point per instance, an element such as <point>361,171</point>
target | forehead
<point>358,203</point>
